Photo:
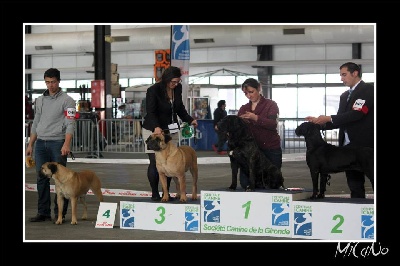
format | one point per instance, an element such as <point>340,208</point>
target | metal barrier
<point>125,136</point>
<point>86,138</point>
<point>121,135</point>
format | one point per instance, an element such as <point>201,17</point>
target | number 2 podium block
<point>248,213</point>
<point>334,219</point>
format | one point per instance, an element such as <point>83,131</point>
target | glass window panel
<point>38,85</point>
<point>332,99</point>
<point>199,80</point>
<point>311,102</point>
<point>140,81</point>
<point>368,77</point>
<point>311,78</point>
<point>64,84</point>
<point>222,80</point>
<point>87,83</point>
<point>284,79</point>
<point>123,82</point>
<point>333,78</point>
<point>286,98</point>
<point>241,79</point>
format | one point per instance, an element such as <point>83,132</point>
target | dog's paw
<point>183,198</point>
<point>249,189</point>
<point>74,222</point>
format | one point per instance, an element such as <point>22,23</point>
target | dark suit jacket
<point>158,107</point>
<point>356,116</point>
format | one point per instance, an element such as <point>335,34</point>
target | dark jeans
<point>221,141</point>
<point>48,151</point>
<point>275,156</point>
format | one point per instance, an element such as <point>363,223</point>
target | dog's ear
<point>53,167</point>
<point>167,138</point>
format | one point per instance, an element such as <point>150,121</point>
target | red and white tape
<point>108,192</point>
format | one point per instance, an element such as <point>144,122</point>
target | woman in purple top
<point>262,115</point>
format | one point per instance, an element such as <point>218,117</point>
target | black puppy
<point>245,154</point>
<point>324,158</point>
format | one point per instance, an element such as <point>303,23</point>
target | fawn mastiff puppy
<point>174,161</point>
<point>71,185</point>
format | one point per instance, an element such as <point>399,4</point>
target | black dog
<point>245,154</point>
<point>324,158</point>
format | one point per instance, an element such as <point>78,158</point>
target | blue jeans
<point>274,155</point>
<point>48,151</point>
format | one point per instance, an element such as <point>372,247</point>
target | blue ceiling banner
<point>180,55</point>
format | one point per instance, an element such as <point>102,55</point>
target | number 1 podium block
<point>249,213</point>
<point>157,216</point>
<point>334,219</point>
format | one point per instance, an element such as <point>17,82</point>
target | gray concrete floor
<point>133,177</point>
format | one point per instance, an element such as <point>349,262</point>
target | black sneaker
<point>40,218</point>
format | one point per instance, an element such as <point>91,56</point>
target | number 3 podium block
<point>160,216</point>
<point>248,213</point>
<point>334,219</point>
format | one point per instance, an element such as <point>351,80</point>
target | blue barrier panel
<point>205,135</point>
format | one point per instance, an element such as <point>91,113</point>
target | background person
<point>51,134</point>
<point>262,115</point>
<point>219,113</point>
<point>355,120</point>
<point>163,106</point>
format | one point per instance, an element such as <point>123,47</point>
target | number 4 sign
<point>106,215</point>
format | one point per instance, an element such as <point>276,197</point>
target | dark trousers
<point>356,181</point>
<point>274,155</point>
<point>48,151</point>
<point>153,177</point>
<point>221,141</point>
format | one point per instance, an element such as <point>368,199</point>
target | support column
<point>264,53</point>
<point>102,65</point>
<point>28,65</point>
<point>356,52</point>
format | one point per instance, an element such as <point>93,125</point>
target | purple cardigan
<point>265,130</point>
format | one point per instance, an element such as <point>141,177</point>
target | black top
<point>158,107</point>
<point>219,113</point>
<point>356,116</point>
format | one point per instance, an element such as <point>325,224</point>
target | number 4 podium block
<point>249,213</point>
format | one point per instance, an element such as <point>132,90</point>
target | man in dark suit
<point>355,120</point>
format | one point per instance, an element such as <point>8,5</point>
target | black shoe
<point>156,197</point>
<point>40,218</point>
<point>56,218</point>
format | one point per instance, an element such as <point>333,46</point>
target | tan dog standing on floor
<point>72,185</point>
<point>174,161</point>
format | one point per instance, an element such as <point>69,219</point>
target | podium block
<point>334,219</point>
<point>160,216</point>
<point>249,213</point>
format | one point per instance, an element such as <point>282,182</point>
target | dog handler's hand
<point>65,150</point>
<point>157,131</point>
<point>194,123</point>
